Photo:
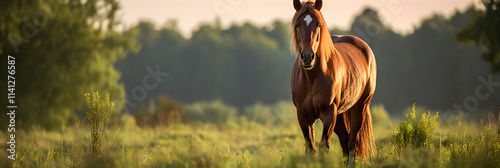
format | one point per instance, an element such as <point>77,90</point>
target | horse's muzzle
<point>308,59</point>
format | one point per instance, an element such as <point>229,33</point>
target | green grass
<point>244,143</point>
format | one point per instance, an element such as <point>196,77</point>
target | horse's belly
<point>349,97</point>
<point>346,105</point>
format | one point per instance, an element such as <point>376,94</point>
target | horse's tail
<point>364,139</point>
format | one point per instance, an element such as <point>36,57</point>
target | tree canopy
<point>62,50</point>
<point>483,30</point>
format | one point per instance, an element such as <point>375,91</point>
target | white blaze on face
<point>308,19</point>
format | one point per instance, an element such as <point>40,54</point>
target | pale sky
<point>401,15</point>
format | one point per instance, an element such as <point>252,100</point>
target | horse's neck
<point>332,63</point>
<point>326,46</point>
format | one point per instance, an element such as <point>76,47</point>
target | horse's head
<point>308,25</point>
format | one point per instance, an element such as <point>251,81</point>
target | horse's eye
<point>296,26</point>
<point>319,25</point>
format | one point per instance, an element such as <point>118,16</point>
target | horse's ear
<point>296,4</point>
<point>318,4</point>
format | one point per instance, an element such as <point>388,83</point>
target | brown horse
<point>333,79</point>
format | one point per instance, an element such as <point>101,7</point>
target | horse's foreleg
<point>307,127</point>
<point>329,119</point>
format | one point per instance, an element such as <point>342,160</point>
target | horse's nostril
<point>312,56</point>
<point>302,56</point>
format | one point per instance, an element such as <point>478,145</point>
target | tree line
<point>244,64</point>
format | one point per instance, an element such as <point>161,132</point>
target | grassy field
<point>244,143</point>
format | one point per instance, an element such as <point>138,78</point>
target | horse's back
<point>356,41</point>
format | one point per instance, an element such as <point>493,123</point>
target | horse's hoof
<point>314,152</point>
<point>352,157</point>
<point>311,152</point>
<point>324,148</point>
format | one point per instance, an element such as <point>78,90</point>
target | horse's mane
<point>326,43</point>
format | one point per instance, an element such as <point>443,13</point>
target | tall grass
<point>247,142</point>
<point>478,147</point>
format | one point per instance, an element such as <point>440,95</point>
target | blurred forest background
<point>64,50</point>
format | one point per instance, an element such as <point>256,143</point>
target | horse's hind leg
<point>356,120</point>
<point>341,131</point>
<point>307,127</point>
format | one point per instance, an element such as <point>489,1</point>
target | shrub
<point>169,111</point>
<point>380,116</point>
<point>213,112</point>
<point>258,113</point>
<point>415,133</point>
<point>144,117</point>
<point>98,114</point>
<point>166,113</point>
<point>122,121</point>
<point>283,113</point>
